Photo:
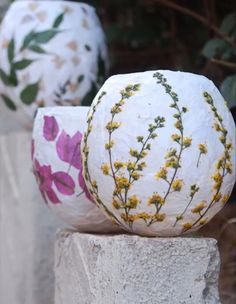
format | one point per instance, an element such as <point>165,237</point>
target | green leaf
<point>28,39</point>
<point>4,77</point>
<point>8,102</point>
<point>80,78</point>
<point>45,36</point>
<point>58,21</point>
<point>37,49</point>
<point>87,47</point>
<point>22,64</point>
<point>228,25</point>
<point>228,90</point>
<point>214,48</point>
<point>13,77</point>
<point>88,98</point>
<point>29,94</point>
<point>11,50</point>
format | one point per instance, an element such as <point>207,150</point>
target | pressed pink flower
<point>64,183</point>
<point>50,128</point>
<point>68,148</point>
<point>44,178</point>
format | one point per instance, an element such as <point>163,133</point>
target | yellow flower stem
<point>199,157</point>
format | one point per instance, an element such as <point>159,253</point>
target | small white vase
<point>51,53</point>
<point>57,166</point>
<point>163,143</point>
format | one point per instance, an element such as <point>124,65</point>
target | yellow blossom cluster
<point>155,199</point>
<point>162,173</point>
<point>202,148</point>
<point>199,207</point>
<point>105,169</point>
<point>177,185</point>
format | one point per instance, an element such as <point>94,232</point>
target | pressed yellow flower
<point>229,146</point>
<point>131,165</point>
<point>135,175</point>
<point>177,185</point>
<point>143,215</point>
<point>176,137</point>
<point>219,163</point>
<point>178,125</point>
<point>172,163</point>
<point>116,109</point>
<point>171,153</point>
<point>133,201</point>
<point>109,145</point>
<point>94,184</point>
<point>116,204</point>
<point>119,165</point>
<point>159,217</point>
<point>187,225</point>
<point>161,174</point>
<point>128,217</point>
<point>217,197</point>
<point>203,221</point>
<point>229,168</point>
<point>134,153</point>
<point>217,127</point>
<point>217,177</point>
<point>199,207</point>
<point>202,148</point>
<point>141,166</point>
<point>112,125</point>
<point>122,182</point>
<point>225,198</point>
<point>105,169</point>
<point>187,142</point>
<point>143,154</point>
<point>155,199</point>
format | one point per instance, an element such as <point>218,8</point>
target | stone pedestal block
<point>128,269</point>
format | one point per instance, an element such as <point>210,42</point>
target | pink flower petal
<point>50,128</point>
<point>68,148</point>
<point>64,183</point>
<point>53,197</point>
<point>84,187</point>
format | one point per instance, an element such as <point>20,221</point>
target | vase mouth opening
<point>70,3</point>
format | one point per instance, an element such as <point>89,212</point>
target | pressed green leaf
<point>4,77</point>
<point>8,102</point>
<point>87,47</point>
<point>11,50</point>
<point>228,90</point>
<point>13,77</point>
<point>214,47</point>
<point>58,20</point>
<point>29,94</point>
<point>45,36</point>
<point>37,49</point>
<point>28,39</point>
<point>22,64</point>
<point>88,98</point>
<point>80,78</point>
<point>228,25</point>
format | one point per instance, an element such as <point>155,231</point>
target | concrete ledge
<point>122,269</point>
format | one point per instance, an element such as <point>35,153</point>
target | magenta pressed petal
<point>84,187</point>
<point>68,148</point>
<point>64,183</point>
<point>50,128</point>
<point>53,197</point>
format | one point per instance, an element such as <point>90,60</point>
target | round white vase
<point>163,143</point>
<point>52,53</point>
<point>57,165</point>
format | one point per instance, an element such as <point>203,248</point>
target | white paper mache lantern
<point>159,151</point>
<point>57,166</point>
<point>52,53</point>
